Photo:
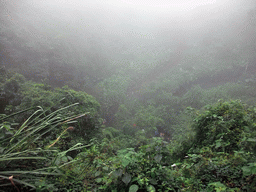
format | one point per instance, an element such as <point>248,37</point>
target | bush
<point>222,126</point>
<point>10,96</point>
<point>33,94</point>
<point>147,169</point>
<point>223,154</point>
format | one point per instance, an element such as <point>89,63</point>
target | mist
<point>103,37</point>
<point>126,24</point>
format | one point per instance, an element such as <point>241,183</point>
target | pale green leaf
<point>126,178</point>
<point>133,188</point>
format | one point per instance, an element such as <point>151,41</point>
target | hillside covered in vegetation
<point>169,108</point>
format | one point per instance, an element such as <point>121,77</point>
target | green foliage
<point>33,94</point>
<point>218,169</point>
<point>250,169</point>
<point>110,132</point>
<point>223,152</point>
<point>222,126</point>
<point>194,98</point>
<point>10,85</point>
<point>147,118</point>
<point>114,89</point>
<point>128,170</point>
<point>26,162</point>
<point>215,152</point>
<point>242,91</point>
<point>113,93</point>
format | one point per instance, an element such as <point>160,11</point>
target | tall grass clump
<point>28,160</point>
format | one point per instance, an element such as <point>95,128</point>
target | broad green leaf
<point>249,170</point>
<point>158,158</point>
<point>69,158</point>
<point>153,181</point>
<point>133,188</point>
<point>151,188</point>
<point>134,179</point>
<point>64,159</point>
<point>218,186</point>
<point>218,144</point>
<point>126,178</point>
<point>117,173</point>
<point>246,170</point>
<point>98,180</point>
<point>153,175</point>
<point>126,161</point>
<point>97,173</point>
<point>253,168</point>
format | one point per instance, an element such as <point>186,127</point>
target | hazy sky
<point>131,20</point>
<point>141,14</point>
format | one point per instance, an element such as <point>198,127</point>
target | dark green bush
<point>10,91</point>
<point>33,94</point>
<point>222,126</point>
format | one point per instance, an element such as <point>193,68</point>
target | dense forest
<point>108,96</point>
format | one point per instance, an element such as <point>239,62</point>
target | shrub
<point>222,126</point>
<point>34,94</point>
